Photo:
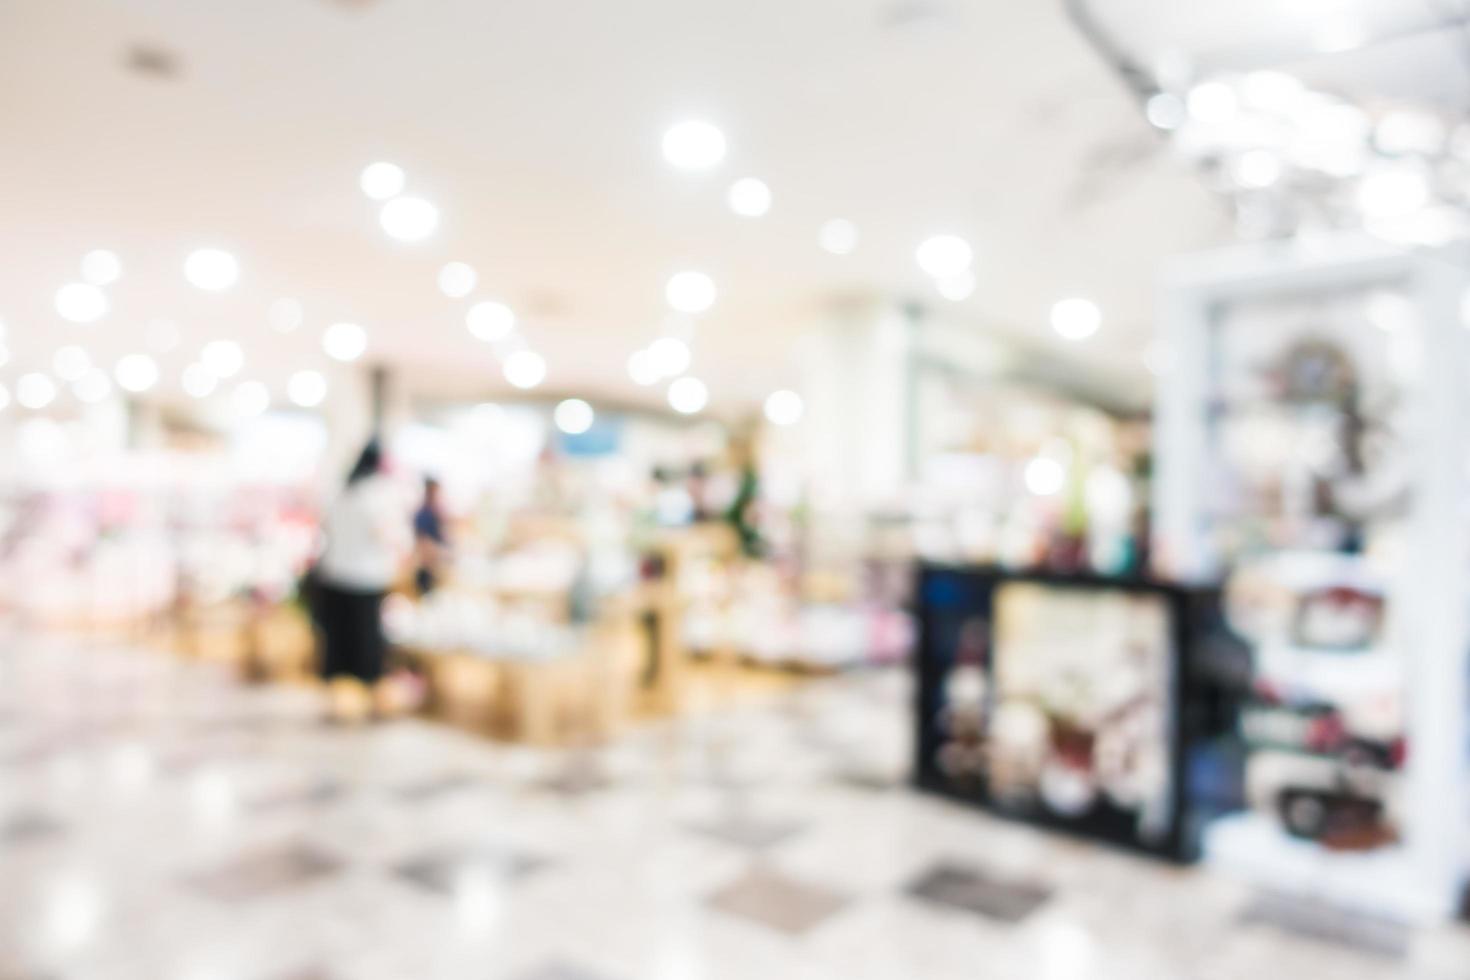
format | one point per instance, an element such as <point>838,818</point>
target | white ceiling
<point>536,127</point>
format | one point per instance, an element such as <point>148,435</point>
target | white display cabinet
<point>1412,370</point>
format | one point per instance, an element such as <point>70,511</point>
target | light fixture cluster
<point>494,322</point>
<point>1294,160</point>
<point>403,217</point>
<point>84,301</point>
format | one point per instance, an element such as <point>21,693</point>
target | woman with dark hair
<point>366,540</point>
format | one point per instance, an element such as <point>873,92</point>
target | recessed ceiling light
<point>70,362</point>
<point>250,398</point>
<point>643,369</point>
<point>957,287</point>
<point>223,358</point>
<point>1393,193</point>
<point>574,416</point>
<point>285,315</point>
<point>694,145</point>
<point>668,356</point>
<point>344,341</point>
<point>457,279</point>
<point>690,292</point>
<point>307,388</point>
<point>198,381</point>
<point>136,373</point>
<point>525,369</point>
<point>784,407</point>
<point>490,321</point>
<point>100,267</point>
<point>34,391</point>
<point>409,219</point>
<point>838,236</point>
<point>81,302</point>
<point>1256,169</point>
<point>211,269</point>
<point>749,197</point>
<point>1076,318</point>
<point>1212,102</point>
<point>688,395</point>
<point>381,180</point>
<point>1165,110</point>
<point>942,256</point>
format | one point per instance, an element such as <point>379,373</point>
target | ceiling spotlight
<point>693,145</point>
<point>784,407</point>
<point>490,321</point>
<point>643,368</point>
<point>250,398</point>
<point>749,197</point>
<point>211,269</point>
<point>525,369</point>
<point>668,356</point>
<point>688,395</point>
<point>1076,319</point>
<point>92,387</point>
<point>70,362</point>
<point>838,236</point>
<point>344,341</point>
<point>199,381</point>
<point>1165,110</point>
<point>381,181</point>
<point>1212,102</point>
<point>690,292</point>
<point>136,373</point>
<point>285,315</point>
<point>223,358</point>
<point>457,279</point>
<point>409,219</point>
<point>307,388</point>
<point>34,391</point>
<point>1393,193</point>
<point>100,267</point>
<point>1256,169</point>
<point>956,287</point>
<point>81,302</point>
<point>942,256</point>
<point>574,416</point>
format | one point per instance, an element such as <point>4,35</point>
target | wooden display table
<point>579,696</point>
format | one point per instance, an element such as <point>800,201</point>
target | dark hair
<point>368,462</point>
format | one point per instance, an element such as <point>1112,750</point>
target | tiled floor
<point>160,822</point>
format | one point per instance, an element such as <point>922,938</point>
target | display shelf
<point>1382,882</point>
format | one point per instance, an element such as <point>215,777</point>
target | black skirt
<point>352,633</point>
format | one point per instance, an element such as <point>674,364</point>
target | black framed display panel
<point>1061,700</point>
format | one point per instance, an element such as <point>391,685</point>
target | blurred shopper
<point>366,543</point>
<point>430,543</point>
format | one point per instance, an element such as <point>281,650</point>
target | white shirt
<point>367,536</point>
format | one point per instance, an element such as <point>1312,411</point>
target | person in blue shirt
<point>430,542</point>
